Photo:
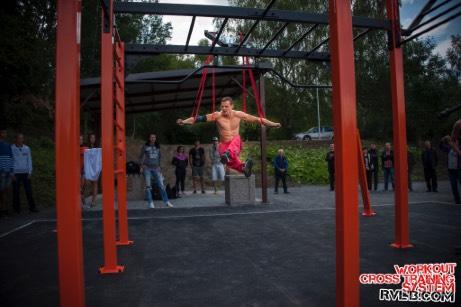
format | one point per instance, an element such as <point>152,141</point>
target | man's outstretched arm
<point>200,118</point>
<point>258,120</point>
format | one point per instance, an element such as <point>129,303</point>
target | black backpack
<point>132,168</point>
<point>171,191</point>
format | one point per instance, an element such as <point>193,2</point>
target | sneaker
<point>225,158</point>
<point>203,192</point>
<point>195,192</point>
<point>151,205</point>
<point>247,168</point>
<point>286,192</point>
<point>168,204</point>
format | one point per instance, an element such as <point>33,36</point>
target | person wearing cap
<point>228,123</point>
<point>217,168</point>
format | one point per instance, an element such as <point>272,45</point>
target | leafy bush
<point>306,165</point>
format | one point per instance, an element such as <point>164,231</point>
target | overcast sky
<point>408,11</point>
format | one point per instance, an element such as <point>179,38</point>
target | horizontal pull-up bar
<point>217,11</point>
<point>265,67</point>
<point>145,49</point>
<point>255,24</point>
<point>216,39</point>
<point>406,40</point>
<point>262,66</point>
<point>445,12</point>
<point>306,86</point>
<point>274,37</point>
<point>191,28</point>
<point>436,7</point>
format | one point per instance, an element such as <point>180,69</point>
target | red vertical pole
<point>402,235</point>
<point>213,90</point>
<point>107,139</point>
<point>67,130</point>
<point>121,145</point>
<point>262,95</point>
<point>367,211</point>
<point>244,84</point>
<point>345,128</point>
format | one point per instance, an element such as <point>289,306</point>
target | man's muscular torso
<point>228,126</point>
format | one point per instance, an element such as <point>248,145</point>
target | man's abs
<point>228,128</point>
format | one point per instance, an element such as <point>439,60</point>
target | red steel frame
<point>119,50</point>
<point>402,235</point>
<point>347,147</point>
<point>67,129</point>
<point>346,155</point>
<point>107,140</point>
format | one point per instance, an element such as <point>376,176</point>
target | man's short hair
<point>227,98</point>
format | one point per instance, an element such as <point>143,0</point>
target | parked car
<point>326,133</point>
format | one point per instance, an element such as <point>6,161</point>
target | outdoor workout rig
<point>340,22</point>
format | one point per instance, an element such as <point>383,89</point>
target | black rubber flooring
<point>248,259</point>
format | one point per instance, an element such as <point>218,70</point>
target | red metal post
<point>402,235</point>
<point>346,164</point>
<point>67,131</point>
<point>262,97</point>
<point>107,140</point>
<point>367,211</point>
<point>121,144</point>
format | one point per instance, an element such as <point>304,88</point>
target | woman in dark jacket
<point>180,161</point>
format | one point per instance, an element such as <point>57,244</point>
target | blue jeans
<point>388,176</point>
<point>455,179</point>
<point>150,173</point>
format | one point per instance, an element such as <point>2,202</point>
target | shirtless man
<point>228,122</point>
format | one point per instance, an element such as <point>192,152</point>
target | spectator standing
<point>82,171</point>
<point>197,162</point>
<point>330,158</point>
<point>280,163</point>
<point>411,164</point>
<point>453,165</point>
<point>217,168</point>
<point>368,166</point>
<point>22,161</point>
<point>180,161</point>
<point>429,160</point>
<point>6,169</point>
<point>92,144</point>
<point>374,165</point>
<point>149,159</point>
<point>387,163</point>
<point>452,145</point>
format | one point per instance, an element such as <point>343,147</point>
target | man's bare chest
<point>228,123</point>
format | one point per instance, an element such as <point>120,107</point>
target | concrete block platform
<point>239,190</point>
